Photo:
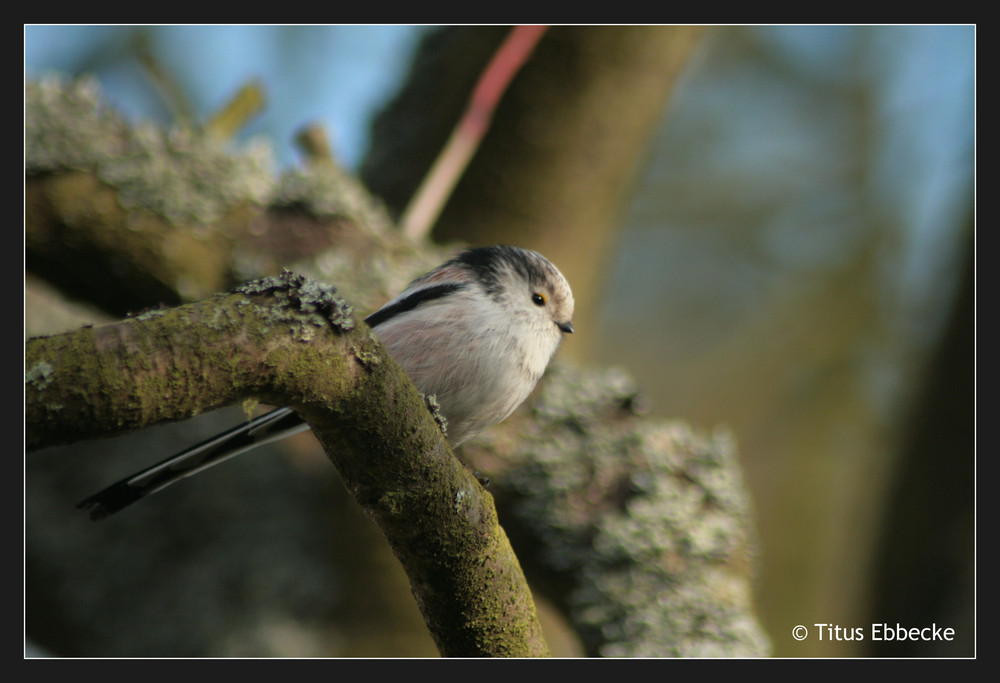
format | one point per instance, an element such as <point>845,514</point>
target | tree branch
<point>123,215</point>
<point>292,341</point>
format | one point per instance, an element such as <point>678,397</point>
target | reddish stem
<point>429,200</point>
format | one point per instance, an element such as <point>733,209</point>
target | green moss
<point>392,503</point>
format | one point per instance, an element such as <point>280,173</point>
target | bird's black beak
<point>566,327</point>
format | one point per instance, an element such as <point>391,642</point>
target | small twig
<point>314,144</point>
<point>238,111</point>
<point>430,197</point>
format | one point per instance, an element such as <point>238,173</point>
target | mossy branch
<point>124,214</point>
<point>291,341</point>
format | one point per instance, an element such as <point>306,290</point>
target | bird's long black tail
<point>269,427</point>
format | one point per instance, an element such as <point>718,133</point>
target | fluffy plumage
<point>476,332</point>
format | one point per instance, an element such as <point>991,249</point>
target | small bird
<point>477,333</point>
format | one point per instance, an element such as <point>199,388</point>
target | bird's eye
<point>538,299</point>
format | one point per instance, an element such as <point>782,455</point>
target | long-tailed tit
<point>476,332</point>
